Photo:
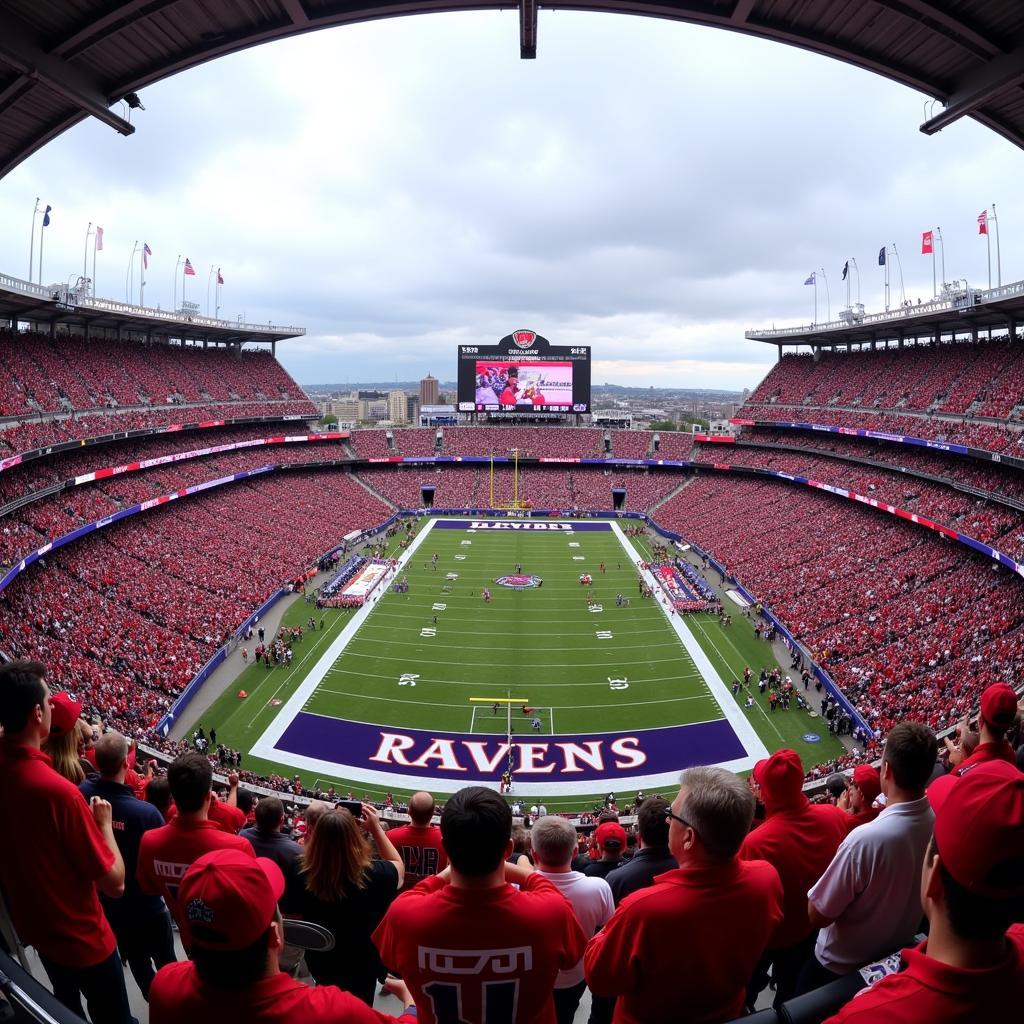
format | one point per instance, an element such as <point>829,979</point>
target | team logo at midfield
<point>519,582</point>
<point>524,339</point>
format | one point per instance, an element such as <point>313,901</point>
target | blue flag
<point>846,269</point>
<point>46,217</point>
<point>881,256</point>
<point>810,280</point>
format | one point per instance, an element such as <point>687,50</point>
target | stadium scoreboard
<point>524,373</point>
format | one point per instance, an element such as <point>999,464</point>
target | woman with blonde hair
<point>347,890</point>
<point>67,737</point>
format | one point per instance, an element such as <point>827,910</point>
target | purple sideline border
<point>665,750</point>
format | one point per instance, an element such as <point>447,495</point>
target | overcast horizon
<point>404,186</point>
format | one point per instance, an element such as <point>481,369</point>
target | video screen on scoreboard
<point>524,373</point>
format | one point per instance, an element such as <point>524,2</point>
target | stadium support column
<point>1011,328</point>
<point>779,347</point>
<point>273,348</point>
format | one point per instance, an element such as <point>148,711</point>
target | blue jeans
<point>102,985</point>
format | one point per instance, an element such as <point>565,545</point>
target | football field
<point>427,687</point>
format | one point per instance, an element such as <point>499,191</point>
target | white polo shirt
<point>591,899</point>
<point>872,888</point>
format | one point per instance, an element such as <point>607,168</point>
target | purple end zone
<point>519,524</point>
<point>598,757</point>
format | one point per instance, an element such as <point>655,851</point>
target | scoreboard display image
<point>524,373</point>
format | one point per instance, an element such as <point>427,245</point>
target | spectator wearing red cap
<point>61,855</point>
<point>971,968</point>
<point>799,839</point>
<point>64,742</point>
<point>470,945</point>
<point>859,799</point>
<point>724,909</point>
<point>867,902</point>
<point>419,842</point>
<point>611,841</point>
<point>165,854</point>
<point>236,936</point>
<point>998,713</point>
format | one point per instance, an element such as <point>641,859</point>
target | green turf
<point>539,645</point>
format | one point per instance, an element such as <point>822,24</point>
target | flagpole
<point>899,266</point>
<point>95,242</point>
<point>142,274</point>
<point>943,244</point>
<point>935,290</point>
<point>85,254</point>
<point>853,260</point>
<point>988,248</point>
<point>828,298</point>
<point>129,277</point>
<point>886,265</point>
<point>183,276</point>
<point>174,301</point>
<point>42,235</point>
<point>32,241</point>
<point>814,281</point>
<point>209,278</point>
<point>999,262</point>
<point>846,278</point>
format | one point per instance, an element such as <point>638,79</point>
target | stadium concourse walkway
<point>233,665</point>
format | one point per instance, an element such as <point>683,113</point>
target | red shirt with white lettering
<point>799,842</point>
<point>685,947</point>
<point>421,851</point>
<point>49,864</point>
<point>178,994</point>
<point>165,854</point>
<point>932,991</point>
<point>481,954</point>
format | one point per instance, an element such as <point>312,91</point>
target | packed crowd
<point>43,374</point>
<point>128,616</point>
<point>983,379</point>
<point>992,523</point>
<point>474,917</point>
<point>905,623</point>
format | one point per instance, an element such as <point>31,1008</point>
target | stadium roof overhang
<point>62,62</point>
<point>964,312</point>
<point>57,304</point>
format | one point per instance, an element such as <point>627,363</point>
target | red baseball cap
<point>868,781</point>
<point>229,898</point>
<point>980,825</point>
<point>758,771</point>
<point>999,705</point>
<point>611,832</point>
<point>64,712</point>
<point>782,779</point>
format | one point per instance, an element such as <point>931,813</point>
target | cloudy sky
<point>647,188</point>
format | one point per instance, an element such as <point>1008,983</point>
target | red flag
<point>220,276</point>
<point>188,268</point>
<point>983,222</point>
<point>926,243</point>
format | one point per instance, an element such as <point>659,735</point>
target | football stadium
<point>518,699</point>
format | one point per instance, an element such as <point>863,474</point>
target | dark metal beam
<point>296,12</point>
<point>741,11</point>
<point>527,29</point>
<point>978,88</point>
<point>21,52</point>
<point>951,26</point>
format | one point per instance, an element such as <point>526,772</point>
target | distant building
<point>397,407</point>
<point>428,390</point>
<point>346,409</point>
<point>412,408</point>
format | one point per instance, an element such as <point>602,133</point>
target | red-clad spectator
<point>419,843</point>
<point>867,902</point>
<point>237,937</point>
<point>971,967</point>
<point>729,907</point>
<point>859,799</point>
<point>59,858</point>
<point>166,853</point>
<point>799,839</point>
<point>998,714</point>
<point>511,943</point>
<point>611,841</point>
